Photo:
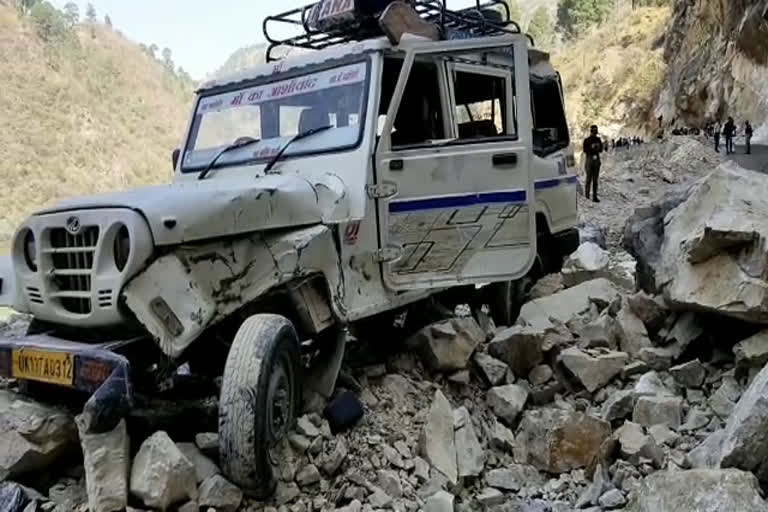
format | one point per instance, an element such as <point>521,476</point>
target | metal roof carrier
<point>332,22</point>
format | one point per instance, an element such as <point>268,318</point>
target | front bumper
<point>93,369</point>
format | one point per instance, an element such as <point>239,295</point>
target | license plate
<point>43,366</point>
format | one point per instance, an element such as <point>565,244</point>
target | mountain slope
<point>90,114</point>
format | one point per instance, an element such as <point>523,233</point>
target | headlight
<point>30,250</point>
<point>122,248</point>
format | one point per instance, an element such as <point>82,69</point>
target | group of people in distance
<point>728,130</point>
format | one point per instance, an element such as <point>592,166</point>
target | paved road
<point>757,161</point>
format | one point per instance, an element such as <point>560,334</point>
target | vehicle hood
<point>193,210</point>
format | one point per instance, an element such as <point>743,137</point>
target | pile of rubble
<point>599,398</point>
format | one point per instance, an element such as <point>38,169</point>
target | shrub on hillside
<point>51,24</point>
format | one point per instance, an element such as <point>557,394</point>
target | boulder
<point>441,501</point>
<point>204,467</point>
<point>633,336</point>
<point>589,261</point>
<point>707,454</point>
<point>447,346</point>
<point>546,286</point>
<point>594,369</point>
<point>519,347</point>
<point>565,305</point>
<point>650,310</point>
<point>601,482</point>
<point>713,255</point>
<point>507,402</point>
<point>723,401</point>
<point>208,443</point>
<point>612,499</point>
<point>500,437</point>
<point>217,492</point>
<point>161,475</point>
<point>592,233</point>
<point>745,440</point>
<point>540,375</point>
<point>389,482</point>
<point>685,330</point>
<point>308,475</point>
<point>690,374</point>
<point>491,370</point>
<point>556,440</point>
<point>698,490</point>
<point>513,477</point>
<point>619,405</point>
<point>438,445</point>
<point>650,384</point>
<point>470,455</point>
<point>752,352</point>
<point>634,444</point>
<point>32,435</point>
<point>653,410</point>
<point>600,333</point>
<point>106,460</point>
<point>657,358</point>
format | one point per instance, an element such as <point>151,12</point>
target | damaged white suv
<point>309,193</point>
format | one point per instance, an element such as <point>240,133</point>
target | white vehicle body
<point>382,224</point>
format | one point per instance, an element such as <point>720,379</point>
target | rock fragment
<point>217,492</point>
<point>437,442</point>
<point>106,459</point>
<point>447,346</point>
<point>492,371</point>
<point>204,467</point>
<point>470,455</point>
<point>653,410</point>
<point>690,374</point>
<point>594,369</point>
<point>519,347</point>
<point>507,402</point>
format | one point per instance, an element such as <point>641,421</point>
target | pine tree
<point>90,13</point>
<point>167,61</point>
<point>72,12</point>
<point>541,27</point>
<point>108,21</point>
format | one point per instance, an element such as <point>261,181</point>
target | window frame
<point>497,71</point>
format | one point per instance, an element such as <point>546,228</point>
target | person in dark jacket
<point>729,130</point>
<point>748,136</point>
<point>593,146</point>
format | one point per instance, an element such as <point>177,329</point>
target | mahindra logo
<point>73,225</point>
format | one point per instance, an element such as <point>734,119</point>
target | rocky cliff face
<point>717,62</point>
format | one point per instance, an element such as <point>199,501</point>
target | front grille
<point>72,257</point>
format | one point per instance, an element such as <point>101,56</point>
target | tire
<point>260,400</point>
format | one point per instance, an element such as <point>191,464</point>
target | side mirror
<point>175,157</point>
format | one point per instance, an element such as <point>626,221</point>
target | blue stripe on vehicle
<point>572,179</point>
<point>541,184</point>
<point>436,203</point>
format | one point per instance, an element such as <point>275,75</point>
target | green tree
<point>51,24</point>
<point>90,13</point>
<point>108,21</point>
<point>576,16</point>
<point>72,13</point>
<point>541,27</point>
<point>167,60</point>
<point>25,6</point>
<point>153,50</point>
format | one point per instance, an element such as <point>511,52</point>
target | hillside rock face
<point>717,62</point>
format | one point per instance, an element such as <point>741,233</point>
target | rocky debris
<point>634,444</point>
<point>470,455</point>
<point>447,346</point>
<point>590,261</point>
<point>491,370</point>
<point>567,304</point>
<point>723,401</point>
<point>106,459</point>
<point>507,402</point>
<point>390,483</point>
<point>513,477</point>
<point>501,438</point>
<point>600,333</point>
<point>594,233</point>
<point>653,410</point>
<point>556,440</point>
<point>204,467</point>
<point>308,475</point>
<point>619,405</point>
<point>441,501</point>
<point>32,435</point>
<point>490,497</point>
<point>519,347</point>
<point>752,352</point>
<point>601,483</point>
<point>161,475</point>
<point>633,335</point>
<point>612,499</point>
<point>698,490</point>
<point>650,310</point>
<point>707,454</point>
<point>217,492</point>
<point>438,445</point>
<point>332,458</point>
<point>690,374</point>
<point>650,384</point>
<point>546,286</point>
<point>13,498</point>
<point>208,443</point>
<point>540,375</point>
<point>593,368</point>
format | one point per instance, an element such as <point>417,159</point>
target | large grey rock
<point>470,455</point>
<point>745,441</point>
<point>106,460</point>
<point>565,305</point>
<point>447,346</point>
<point>519,347</point>
<point>438,445</point>
<point>513,477</point>
<point>589,232</point>
<point>594,369</point>
<point>685,331</point>
<point>32,435</point>
<point>441,501</point>
<point>590,261</point>
<point>556,440</point>
<point>492,370</point>
<point>602,332</point>
<point>634,444</point>
<point>723,400</point>
<point>650,384</point>
<point>161,475</point>
<point>713,257</point>
<point>690,374</point>
<point>699,490</point>
<point>500,437</point>
<point>204,467</point>
<point>217,492</point>
<point>507,402</point>
<point>612,499</point>
<point>619,405</point>
<point>650,310</point>
<point>653,410</point>
<point>657,358</point>
<point>753,351</point>
<point>633,335</point>
<point>601,482</point>
<point>707,454</point>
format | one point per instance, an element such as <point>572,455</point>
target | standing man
<point>729,130</point>
<point>717,130</point>
<point>593,146</point>
<point>748,137</point>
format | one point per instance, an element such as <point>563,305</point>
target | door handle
<point>505,160</point>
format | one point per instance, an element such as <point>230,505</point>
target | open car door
<point>453,178</point>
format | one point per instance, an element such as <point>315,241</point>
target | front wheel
<point>260,400</point>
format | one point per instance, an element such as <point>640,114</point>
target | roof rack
<point>488,18</point>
